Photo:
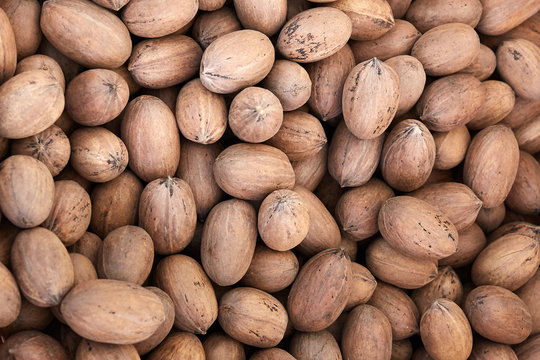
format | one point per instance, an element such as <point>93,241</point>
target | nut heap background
<point>269,179</point>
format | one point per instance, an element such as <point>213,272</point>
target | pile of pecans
<point>269,179</point>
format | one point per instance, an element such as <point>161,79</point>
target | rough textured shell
<point>167,211</point>
<point>455,200</point>
<point>253,317</point>
<point>191,291</point>
<point>86,33</point>
<point>30,102</point>
<point>352,161</point>
<point>42,267</point>
<point>327,79</point>
<point>236,60</point>
<point>408,156</point>
<point>201,114</point>
<point>370,98</point>
<point>499,16</point>
<point>398,308</point>
<point>416,228</point>
<point>152,19</point>
<point>367,334</point>
<point>398,269</point>
<point>320,292</point>
<point>228,241</point>
<point>498,314</point>
<point>518,62</point>
<point>509,262</point>
<point>151,135</point>
<point>370,19</point>
<point>436,49</point>
<point>26,190</point>
<point>252,171</point>
<point>113,312</point>
<point>450,102</point>
<point>166,61</point>
<point>314,34</point>
<point>445,331</point>
<point>426,14</point>
<point>491,164</point>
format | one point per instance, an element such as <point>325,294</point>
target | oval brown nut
<point>218,343</point>
<point>327,79</point>
<point>509,262</point>
<point>236,60</point>
<point>191,291</point>
<point>121,194</point>
<point>167,211</point>
<point>450,102</point>
<point>371,19</point>
<point>252,317</point>
<point>24,19</point>
<point>490,219</point>
<point>42,267</point>
<point>483,65</point>
<point>70,215</point>
<point>352,161</point>
<point>408,156</point>
<point>112,311</point>
<point>51,147</point>
<point>208,26</point>
<point>357,209</point>
<point>300,136</point>
<point>393,267</point>
<point>471,241</point>
<point>528,136</point>
<point>498,314</point>
<point>369,80</point>
<point>97,154</point>
<point>314,345</point>
<point>272,354</point>
<point>529,294</point>
<point>196,168</point>
<point>96,97</point>
<point>445,286</point>
<point>151,19</point>
<point>499,102</point>
<point>451,147</point>
<point>30,102</point>
<point>267,17</point>
<point>499,16</point>
<point>255,115</point>
<point>127,254</point>
<point>82,31</point>
<point>310,171</point>
<point>228,241</point>
<point>252,171</point>
<point>457,201</point>
<point>367,334</point>
<point>416,228</point>
<point>321,290</point>
<point>445,331</point>
<point>26,190</point>
<point>91,350</point>
<point>524,197</point>
<point>412,80</point>
<point>426,15</point>
<point>10,297</point>
<point>491,164</point>
<point>363,285</point>
<point>151,135</point>
<point>398,41</point>
<point>31,344</point>
<point>290,83</point>
<point>436,49</point>
<point>8,50</point>
<point>518,62</point>
<point>398,308</point>
<point>179,345</point>
<point>314,34</point>
<point>486,350</point>
<point>283,220</point>
<point>165,61</point>
<point>201,115</point>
